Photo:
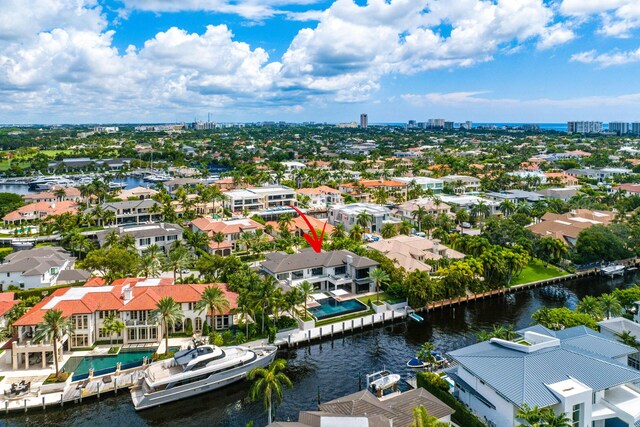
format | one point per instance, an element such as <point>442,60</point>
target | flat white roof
<point>74,294</point>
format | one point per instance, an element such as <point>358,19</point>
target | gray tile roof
<point>130,204</point>
<point>523,377</point>
<point>279,262</point>
<point>35,262</point>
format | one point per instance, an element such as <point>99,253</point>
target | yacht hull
<point>145,400</point>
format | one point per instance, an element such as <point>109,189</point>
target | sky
<point>153,61</point>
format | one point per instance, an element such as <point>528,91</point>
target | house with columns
<point>131,300</point>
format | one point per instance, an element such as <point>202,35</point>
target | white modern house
<point>347,215</point>
<point>34,268</point>
<point>576,371</point>
<point>424,182</point>
<point>259,198</point>
<point>133,211</point>
<point>164,235</point>
<point>327,271</point>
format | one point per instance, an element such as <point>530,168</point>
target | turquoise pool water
<point>104,364</point>
<point>330,307</point>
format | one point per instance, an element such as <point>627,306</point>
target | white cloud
<point>250,9</point>
<point>607,59</point>
<point>618,18</point>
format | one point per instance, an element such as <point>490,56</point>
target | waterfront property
<point>411,252</point>
<point>131,300</point>
<point>567,226</point>
<point>614,327</point>
<point>330,307</point>
<point>327,271</point>
<point>164,235</point>
<point>363,409</point>
<point>82,365</point>
<point>577,372</point>
<point>70,194</point>
<point>35,268</point>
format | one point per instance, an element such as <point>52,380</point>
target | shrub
<point>272,334</point>
<point>240,338</point>
<point>435,385</point>
<point>26,293</point>
<point>114,350</point>
<point>206,330</point>
<point>216,339</point>
<point>227,337</point>
<point>286,322</point>
<point>163,356</point>
<point>189,329</point>
<point>4,252</point>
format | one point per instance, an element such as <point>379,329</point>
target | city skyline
<point>141,61</point>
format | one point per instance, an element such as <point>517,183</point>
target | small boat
<point>416,317</point>
<point>383,380</point>
<point>613,270</point>
<point>416,363</point>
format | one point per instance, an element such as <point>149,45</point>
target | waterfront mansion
<point>327,271</point>
<point>577,372</point>
<point>131,300</point>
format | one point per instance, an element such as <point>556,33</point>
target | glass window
<point>341,270</point>
<point>576,415</point>
<point>316,271</point>
<point>297,274</point>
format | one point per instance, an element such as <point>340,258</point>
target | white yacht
<point>195,371</point>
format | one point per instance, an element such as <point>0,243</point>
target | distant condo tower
<point>364,121</point>
<point>584,127</point>
<point>619,128</point>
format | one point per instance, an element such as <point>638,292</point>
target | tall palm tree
<point>196,240</point>
<point>168,313</point>
<point>418,216</point>
<point>269,383</point>
<point>53,328</point>
<point>364,219</point>
<point>214,300</point>
<point>379,277</point>
<point>532,416</point>
<point>306,289</point>
<point>507,207</point>
<point>113,326</point>
<point>610,305</point>
<point>178,259</point>
<point>218,237</point>
<point>388,230</point>
<point>60,193</point>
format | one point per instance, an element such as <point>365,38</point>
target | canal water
<point>131,182</point>
<point>330,369</point>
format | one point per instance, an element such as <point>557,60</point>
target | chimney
<point>128,294</point>
<point>435,247</point>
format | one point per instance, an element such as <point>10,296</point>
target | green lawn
<point>383,297</point>
<point>344,318</point>
<point>535,271</point>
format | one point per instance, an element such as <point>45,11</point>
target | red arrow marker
<point>314,241</point>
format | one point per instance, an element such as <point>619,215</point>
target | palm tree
<point>429,223</point>
<point>421,418</point>
<point>218,237</point>
<point>167,312</point>
<point>532,416</point>
<point>60,193</point>
<point>552,420</point>
<point>196,240</point>
<point>109,217</point>
<point>388,230</point>
<point>53,328</point>
<point>306,289</point>
<point>404,227</point>
<point>610,305</point>
<point>214,300</point>
<point>425,353</point>
<point>364,219</point>
<point>590,306</point>
<point>418,216</point>
<point>178,259</point>
<point>113,326</point>
<point>269,382</point>
<point>627,338</point>
<point>338,232</point>
<point>462,216</point>
<point>356,233</point>
<point>379,277</point>
<point>507,207</point>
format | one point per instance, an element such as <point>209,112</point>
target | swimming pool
<point>80,365</point>
<point>330,307</point>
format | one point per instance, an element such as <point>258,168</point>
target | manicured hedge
<point>435,385</point>
<point>4,252</point>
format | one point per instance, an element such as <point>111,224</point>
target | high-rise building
<point>412,124</point>
<point>620,128</point>
<point>435,123</point>
<point>635,128</point>
<point>468,125</point>
<point>364,120</point>
<point>449,125</point>
<point>584,127</point>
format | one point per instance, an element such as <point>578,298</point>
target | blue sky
<point>81,61</point>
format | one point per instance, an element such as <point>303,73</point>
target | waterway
<point>131,182</point>
<point>330,369</point>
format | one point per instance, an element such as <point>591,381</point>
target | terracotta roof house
<point>7,302</point>
<point>567,226</point>
<point>298,226</point>
<point>40,210</point>
<point>231,229</point>
<point>71,194</point>
<point>411,252</point>
<point>131,300</point>
<point>370,185</point>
